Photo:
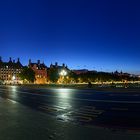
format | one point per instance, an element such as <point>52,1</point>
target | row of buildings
<point>9,71</point>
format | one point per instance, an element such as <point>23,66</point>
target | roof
<point>11,64</point>
<point>39,65</point>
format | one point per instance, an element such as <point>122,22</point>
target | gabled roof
<point>40,66</point>
<point>10,65</point>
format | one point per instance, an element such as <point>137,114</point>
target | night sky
<point>92,34</point>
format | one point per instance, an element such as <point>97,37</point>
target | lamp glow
<point>13,78</point>
<point>63,73</point>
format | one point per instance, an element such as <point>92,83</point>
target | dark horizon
<point>91,34</point>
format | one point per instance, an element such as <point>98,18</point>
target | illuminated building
<point>62,71</point>
<point>40,70</point>
<point>9,71</point>
<point>58,67</point>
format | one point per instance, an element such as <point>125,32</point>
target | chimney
<point>0,59</point>
<point>56,64</point>
<point>29,61</point>
<point>10,59</point>
<point>51,65</point>
<point>38,62</point>
<point>63,65</point>
<point>18,60</point>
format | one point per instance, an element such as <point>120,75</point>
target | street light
<point>13,78</point>
<point>63,73</point>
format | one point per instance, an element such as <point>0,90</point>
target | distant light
<point>63,73</point>
<point>13,78</point>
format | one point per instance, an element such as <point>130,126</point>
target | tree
<point>53,75</point>
<point>27,74</point>
<point>73,77</point>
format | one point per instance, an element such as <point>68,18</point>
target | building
<point>40,70</point>
<point>62,70</point>
<point>9,71</point>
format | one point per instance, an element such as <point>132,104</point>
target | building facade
<point>9,71</point>
<point>62,71</point>
<point>60,68</point>
<point>40,70</point>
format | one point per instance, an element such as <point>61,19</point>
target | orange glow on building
<point>40,70</point>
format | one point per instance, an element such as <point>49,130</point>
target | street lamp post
<point>63,73</point>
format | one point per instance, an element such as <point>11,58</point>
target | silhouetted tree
<point>73,77</point>
<point>53,75</point>
<point>27,74</point>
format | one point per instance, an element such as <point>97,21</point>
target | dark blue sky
<point>94,34</point>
